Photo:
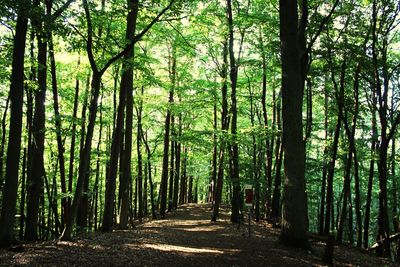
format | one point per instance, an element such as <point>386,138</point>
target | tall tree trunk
<point>276,196</point>
<point>183,188</point>
<point>177,164</point>
<point>171,165</point>
<point>125,90</point>
<point>213,178</point>
<point>60,145</point>
<point>371,170</point>
<point>81,215</point>
<point>331,168</point>
<point>22,202</point>
<point>153,209</point>
<point>85,157</point>
<point>36,178</point>
<point>234,152</point>
<point>331,171</point>
<point>357,198</point>
<point>139,155</point>
<point>164,174</point>
<point>324,168</point>
<point>383,144</point>
<point>73,137</point>
<point>3,142</point>
<point>347,174</point>
<point>294,215</point>
<point>224,128</point>
<point>255,173</point>
<point>268,150</point>
<point>14,141</point>
<point>97,183</point>
<point>190,190</point>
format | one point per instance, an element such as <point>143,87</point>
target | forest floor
<point>186,237</point>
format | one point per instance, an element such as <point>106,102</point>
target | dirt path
<point>185,238</point>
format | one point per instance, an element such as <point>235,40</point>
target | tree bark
<point>3,142</point>
<point>172,165</point>
<point>14,144</point>
<point>73,137</point>
<point>125,90</point>
<point>294,215</point>
<point>35,180</point>
<point>164,174</point>
<point>268,145</point>
<point>224,128</point>
<point>60,145</point>
<point>276,195</point>
<point>324,169</point>
<point>139,155</point>
<point>177,164</point>
<point>234,151</point>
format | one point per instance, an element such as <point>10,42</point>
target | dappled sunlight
<point>190,250</point>
<point>208,228</point>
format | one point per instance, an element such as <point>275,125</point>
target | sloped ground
<point>185,238</point>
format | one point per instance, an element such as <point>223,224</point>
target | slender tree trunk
<point>97,176</point>
<point>36,179</point>
<point>224,128</point>
<point>331,168</point>
<point>73,137</point>
<point>324,170</point>
<point>139,155</point>
<point>347,174</point>
<point>85,157</point>
<point>153,209</point>
<point>172,165</point>
<point>357,198</point>
<point>126,89</point>
<point>164,174</point>
<point>211,186</point>
<point>276,196</point>
<point>255,173</point>
<point>371,171</point>
<point>60,145</point>
<point>81,215</point>
<point>234,152</point>
<point>183,189</point>
<point>22,202</point>
<point>268,150</point>
<point>190,190</point>
<point>177,164</point>
<point>3,142</point>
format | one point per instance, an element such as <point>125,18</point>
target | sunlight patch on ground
<point>206,228</point>
<point>172,248</point>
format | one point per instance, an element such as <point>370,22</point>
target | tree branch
<point>136,38</point>
<point>59,11</point>
<point>321,26</point>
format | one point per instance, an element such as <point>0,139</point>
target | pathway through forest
<point>186,238</point>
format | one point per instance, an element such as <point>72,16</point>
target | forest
<point>115,111</point>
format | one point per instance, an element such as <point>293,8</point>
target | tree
<point>14,145</point>
<point>294,215</point>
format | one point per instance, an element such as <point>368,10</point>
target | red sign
<point>249,195</point>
